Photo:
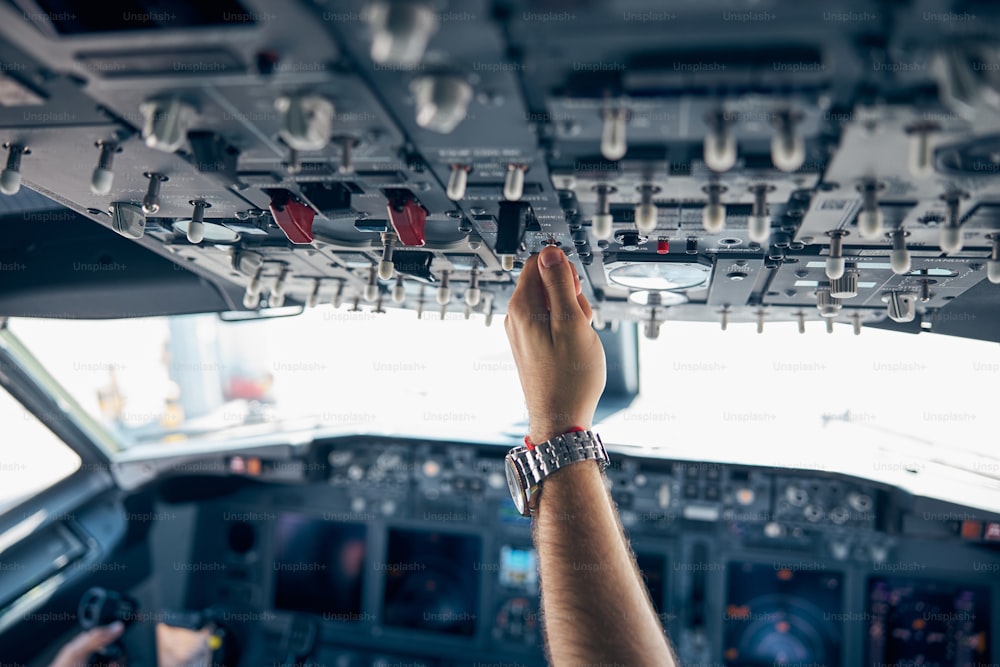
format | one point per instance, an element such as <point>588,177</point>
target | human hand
<point>559,357</point>
<point>75,653</point>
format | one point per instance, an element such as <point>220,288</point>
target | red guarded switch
<point>294,217</point>
<point>408,217</point>
<point>662,246</point>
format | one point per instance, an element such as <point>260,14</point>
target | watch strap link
<point>542,460</point>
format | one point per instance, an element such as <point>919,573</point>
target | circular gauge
<point>647,298</point>
<point>659,275</point>
<point>214,232</point>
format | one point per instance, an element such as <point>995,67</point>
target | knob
<point>646,212</point>
<point>400,31</point>
<point>901,306</point>
<point>614,144</point>
<point>441,102</point>
<point>385,266</point>
<point>828,305</point>
<point>513,182</point>
<point>845,287</point>
<point>870,220</point>
<point>399,289</point>
<point>196,228</point>
<point>788,148</point>
<point>306,121</point>
<point>835,263</point>
<point>720,144</point>
<point>993,265</point>
<point>713,216</point>
<point>151,201</point>
<point>10,178</point>
<point>444,291</point>
<point>602,225</point>
<point>103,176</point>
<point>457,181</point>
<point>899,257</point>
<point>165,123</point>
<point>759,222</point>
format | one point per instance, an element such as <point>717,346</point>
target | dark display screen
<point>927,623</point>
<point>318,566</point>
<point>782,615</point>
<point>432,581</point>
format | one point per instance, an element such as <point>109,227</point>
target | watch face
<point>515,485</point>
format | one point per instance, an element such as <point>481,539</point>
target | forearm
<point>597,610</point>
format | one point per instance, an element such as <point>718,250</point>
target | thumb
<point>558,278</point>
<point>95,639</point>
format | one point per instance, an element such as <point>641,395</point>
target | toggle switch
<point>444,291</point>
<point>103,176</point>
<point>385,267</point>
<point>513,182</point>
<point>306,121</point>
<point>313,297</point>
<point>993,264</point>
<point>399,289</point>
<point>646,212</point>
<point>512,223</point>
<point>870,219</point>
<point>951,231</point>
<point>713,216</point>
<point>371,287</point>
<point>614,143</point>
<point>277,297</point>
<point>408,217</point>
<point>10,178</point>
<point>801,319</point>
<point>759,222</point>
<point>127,219</point>
<point>251,298</point>
<point>921,154</point>
<point>602,225</point>
<point>337,299</point>
<point>720,143</point>
<point>196,228</point>
<point>400,30</point>
<point>441,101</point>
<point>473,294</point>
<point>761,315</point>
<point>151,201</point>
<point>293,217</point>
<point>899,257</point>
<point>166,123</point>
<point>835,262</point>
<point>457,181</point>
<point>788,148</point>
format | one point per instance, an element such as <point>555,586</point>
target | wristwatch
<point>529,465</point>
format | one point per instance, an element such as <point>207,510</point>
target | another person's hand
<point>75,653</point>
<point>559,356</point>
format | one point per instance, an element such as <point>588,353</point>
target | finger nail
<point>116,627</point>
<point>551,258</point>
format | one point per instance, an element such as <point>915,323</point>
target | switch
<point>151,201</point>
<point>899,257</point>
<point>444,291</point>
<point>128,219</point>
<point>828,305</point>
<point>293,217</point>
<point>399,289</point>
<point>870,219</point>
<point>10,178</point>
<point>835,263</point>
<point>196,228</point>
<point>166,123</point>
<point>513,182</point>
<point>103,176</point>
<point>951,231</point>
<point>385,266</point>
<point>512,224</point>
<point>602,225</point>
<point>306,121</point>
<point>993,264</point>
<point>251,298</point>
<point>713,216</point>
<point>337,299</point>
<point>720,143</point>
<point>921,156</point>
<point>371,287</point>
<point>313,297</point>
<point>614,143</point>
<point>400,30</point>
<point>788,148</point>
<point>407,216</point>
<point>457,181</point>
<point>473,294</point>
<point>759,221</point>
<point>441,101</point>
<point>901,306</point>
<point>645,212</point>
<point>846,286</point>
<point>277,297</point>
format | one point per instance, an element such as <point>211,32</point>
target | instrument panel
<point>380,549</point>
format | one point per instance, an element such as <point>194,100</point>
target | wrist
<point>539,434</point>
